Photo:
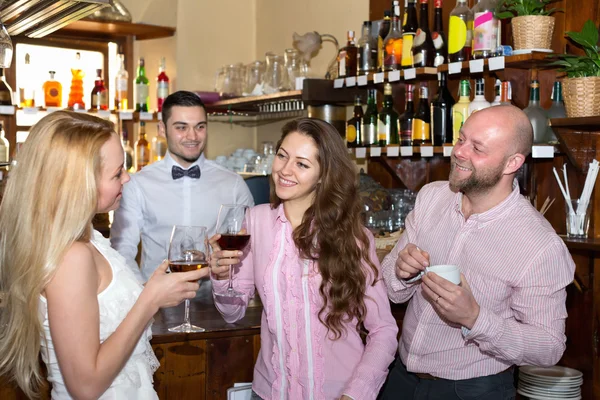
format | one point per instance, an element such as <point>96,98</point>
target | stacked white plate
<point>550,383</point>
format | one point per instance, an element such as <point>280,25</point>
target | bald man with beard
<point>462,341</point>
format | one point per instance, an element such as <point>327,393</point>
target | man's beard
<point>477,182</point>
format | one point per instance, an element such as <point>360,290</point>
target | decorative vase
<point>582,96</point>
<point>532,32</point>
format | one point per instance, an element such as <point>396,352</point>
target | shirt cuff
<point>487,326</point>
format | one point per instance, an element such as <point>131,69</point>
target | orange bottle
<point>52,92</point>
<point>76,93</point>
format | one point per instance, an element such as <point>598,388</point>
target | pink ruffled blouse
<point>298,359</point>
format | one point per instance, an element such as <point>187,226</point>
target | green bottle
<point>142,94</point>
<point>369,130</point>
<point>388,119</point>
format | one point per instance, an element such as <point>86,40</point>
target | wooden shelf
<point>112,30</point>
<point>522,61</point>
<point>589,244</point>
<point>582,123</point>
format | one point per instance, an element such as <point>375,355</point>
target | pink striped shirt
<point>517,268</point>
<point>298,359</point>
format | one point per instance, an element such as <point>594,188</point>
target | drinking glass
<point>6,47</point>
<point>274,75</point>
<point>233,226</point>
<point>188,250</point>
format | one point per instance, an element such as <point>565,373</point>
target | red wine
<point>233,242</point>
<point>186,266</point>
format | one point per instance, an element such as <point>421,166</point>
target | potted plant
<point>532,24</point>
<point>581,86</point>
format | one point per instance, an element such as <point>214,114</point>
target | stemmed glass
<point>234,228</point>
<point>188,250</point>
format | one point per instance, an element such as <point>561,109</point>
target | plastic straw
<point>566,180</point>
<point>562,189</point>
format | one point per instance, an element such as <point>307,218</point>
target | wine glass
<point>233,226</point>
<point>188,250</point>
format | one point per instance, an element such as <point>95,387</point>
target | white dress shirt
<point>153,202</point>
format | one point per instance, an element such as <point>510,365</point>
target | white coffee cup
<point>448,272</point>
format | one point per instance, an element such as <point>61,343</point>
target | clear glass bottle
<point>406,119</point>
<point>421,129</point>
<point>393,42</point>
<point>423,49</point>
<point>159,147</point>
<point>354,125</point>
<point>142,93</point>
<point>438,36</point>
<point>52,92</point>
<point>556,110</point>
<point>128,150</point>
<point>370,120</point>
<point>348,58</point>
<point>409,30</point>
<point>497,93</point>
<point>537,115</point>
<point>27,91</point>
<point>479,102</point>
<point>387,127</point>
<point>384,29</point>
<point>121,86</point>
<point>485,29</point>
<point>460,111</point>
<point>367,55</point>
<point>460,32</point>
<point>4,146</point>
<point>441,113</point>
<point>162,84</point>
<point>142,149</point>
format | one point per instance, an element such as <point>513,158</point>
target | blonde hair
<point>48,204</point>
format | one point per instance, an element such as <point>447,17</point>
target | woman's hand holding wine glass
<point>221,260</point>
<point>168,290</point>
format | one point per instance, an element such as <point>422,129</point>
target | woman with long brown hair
<point>315,269</point>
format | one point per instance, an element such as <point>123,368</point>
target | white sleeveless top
<point>135,379</point>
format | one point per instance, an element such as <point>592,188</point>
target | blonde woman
<point>69,295</point>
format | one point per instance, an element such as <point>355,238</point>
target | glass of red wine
<point>188,250</point>
<point>233,226</point>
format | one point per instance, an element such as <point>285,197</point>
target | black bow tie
<point>178,172</point>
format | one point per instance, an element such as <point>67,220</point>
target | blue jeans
<point>405,385</point>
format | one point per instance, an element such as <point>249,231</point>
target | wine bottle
<point>369,129</point>
<point>384,29</point>
<point>406,119</point>
<point>388,119</point>
<point>409,30</point>
<point>441,113</point>
<point>423,50</point>
<point>439,37</point>
<point>421,133</point>
<point>354,126</point>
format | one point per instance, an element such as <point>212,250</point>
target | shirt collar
<point>281,214</point>
<point>494,212</point>
<point>170,161</point>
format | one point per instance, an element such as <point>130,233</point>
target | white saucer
<point>529,51</point>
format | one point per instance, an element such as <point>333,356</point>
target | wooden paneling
<point>224,359</point>
<point>182,372</point>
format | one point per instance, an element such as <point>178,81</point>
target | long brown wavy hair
<point>331,230</point>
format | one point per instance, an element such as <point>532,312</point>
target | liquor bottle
<point>421,133</point>
<point>142,149</point>
<point>354,137</point>
<point>384,29</point>
<point>348,58</point>
<point>485,29</point>
<point>439,37</point>
<point>121,86</point>
<point>52,92</point>
<point>406,119</point>
<point>441,113</point>
<point>369,127</point>
<point>141,88</point>
<point>367,52</point>
<point>460,111</point>
<point>127,149</point>
<point>497,92</point>
<point>99,93</point>
<point>479,102</point>
<point>393,42</point>
<point>505,93</point>
<point>4,146</point>
<point>557,109</point>
<point>27,92</point>
<point>409,30</point>
<point>5,91</point>
<point>537,115</point>
<point>162,84</point>
<point>76,89</point>
<point>423,50</point>
<point>460,32</point>
<point>159,147</point>
<point>387,128</point>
